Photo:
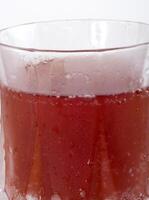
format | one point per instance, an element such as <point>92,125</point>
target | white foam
<point>96,73</point>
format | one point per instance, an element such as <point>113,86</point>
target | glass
<point>75,111</point>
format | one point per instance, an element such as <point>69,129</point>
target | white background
<point>21,11</point>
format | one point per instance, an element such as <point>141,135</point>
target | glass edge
<point>75,50</point>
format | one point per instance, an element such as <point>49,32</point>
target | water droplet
<point>45,61</point>
<point>96,102</point>
<point>55,197</point>
<point>3,194</point>
<point>68,76</point>
<point>128,153</point>
<point>71,96</point>
<point>147,71</point>
<point>82,193</point>
<point>88,162</point>
<point>89,96</point>
<point>87,78</point>
<point>145,157</point>
<point>124,100</point>
<point>10,150</point>
<point>147,187</point>
<point>139,91</point>
<point>131,172</point>
<point>13,77</point>
<point>30,197</point>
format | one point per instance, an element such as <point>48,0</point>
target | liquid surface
<point>74,148</point>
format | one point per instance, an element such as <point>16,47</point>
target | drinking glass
<point>74,111</point>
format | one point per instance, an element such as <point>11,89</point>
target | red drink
<point>92,148</point>
<point>75,111</point>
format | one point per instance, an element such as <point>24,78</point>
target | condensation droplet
<point>82,193</point>
<point>13,77</point>
<point>145,157</point>
<point>55,197</point>
<point>68,76</point>
<point>147,71</point>
<point>86,181</point>
<point>45,61</point>
<point>147,187</point>
<point>88,162</point>
<point>87,78</point>
<point>30,197</point>
<point>71,96</point>
<point>128,153</point>
<point>3,195</point>
<point>131,172</point>
<point>10,150</point>
<point>89,96</point>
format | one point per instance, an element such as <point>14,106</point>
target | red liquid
<point>76,148</point>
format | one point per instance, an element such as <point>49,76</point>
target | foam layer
<point>81,74</point>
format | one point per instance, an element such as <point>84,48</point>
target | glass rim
<point>74,50</point>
